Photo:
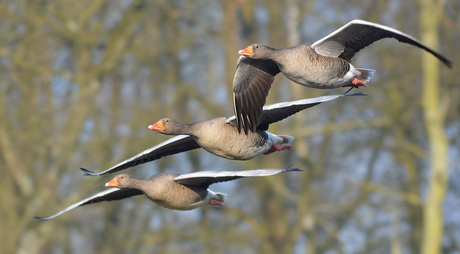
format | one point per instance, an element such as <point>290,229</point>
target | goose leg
<point>215,202</point>
<point>278,147</point>
<point>356,83</point>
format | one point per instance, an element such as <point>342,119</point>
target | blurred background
<point>81,81</point>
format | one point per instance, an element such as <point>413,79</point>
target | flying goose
<point>173,191</point>
<point>324,64</point>
<point>220,136</point>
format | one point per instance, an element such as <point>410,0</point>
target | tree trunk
<point>430,13</point>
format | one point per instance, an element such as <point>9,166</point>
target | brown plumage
<point>172,191</point>
<point>221,137</point>
<point>324,64</point>
<point>165,191</point>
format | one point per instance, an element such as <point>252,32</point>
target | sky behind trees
<point>82,80</point>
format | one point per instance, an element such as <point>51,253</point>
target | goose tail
<point>365,74</point>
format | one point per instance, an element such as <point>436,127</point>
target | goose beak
<point>246,52</point>
<point>158,126</point>
<point>113,183</point>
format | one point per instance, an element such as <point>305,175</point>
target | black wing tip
<point>449,63</point>
<point>88,173</point>
<point>443,59</point>
<point>289,169</point>
<point>40,219</point>
<point>243,127</point>
<point>355,94</point>
<point>246,130</point>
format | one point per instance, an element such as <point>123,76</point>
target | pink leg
<point>278,147</point>
<point>215,202</point>
<point>356,83</point>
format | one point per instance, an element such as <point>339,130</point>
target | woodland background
<point>80,81</point>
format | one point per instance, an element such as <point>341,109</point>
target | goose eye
<point>257,46</point>
<point>167,120</point>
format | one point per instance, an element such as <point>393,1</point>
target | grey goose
<point>172,191</point>
<point>220,136</point>
<point>324,64</point>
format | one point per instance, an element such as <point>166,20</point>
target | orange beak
<point>113,183</point>
<point>246,52</point>
<point>158,126</point>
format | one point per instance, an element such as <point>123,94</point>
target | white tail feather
<point>217,195</point>
<point>286,139</point>
<point>220,197</point>
<point>365,74</point>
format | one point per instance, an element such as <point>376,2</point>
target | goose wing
<point>348,40</point>
<point>178,144</point>
<point>276,112</point>
<point>207,178</point>
<point>279,111</point>
<point>253,79</point>
<point>107,195</point>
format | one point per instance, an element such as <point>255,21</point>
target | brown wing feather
<point>251,84</point>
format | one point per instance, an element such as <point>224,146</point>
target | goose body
<point>324,64</point>
<point>221,136</point>
<point>172,191</point>
<point>327,72</point>
<point>165,191</point>
<point>222,139</point>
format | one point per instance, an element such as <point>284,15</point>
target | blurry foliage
<point>82,80</point>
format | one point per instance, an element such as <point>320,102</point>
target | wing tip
<point>354,94</point>
<point>239,125</point>
<point>242,125</point>
<point>289,169</point>
<point>254,128</point>
<point>41,219</point>
<point>449,63</point>
<point>88,173</point>
<point>246,130</point>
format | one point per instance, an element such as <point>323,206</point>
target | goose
<point>220,136</point>
<point>172,191</point>
<point>324,64</point>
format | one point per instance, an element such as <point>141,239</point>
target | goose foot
<point>215,202</point>
<point>356,83</point>
<point>278,147</point>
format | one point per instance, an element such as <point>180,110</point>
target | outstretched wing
<point>276,112</point>
<point>253,79</point>
<point>348,40</point>
<point>171,146</point>
<point>107,195</point>
<point>206,178</point>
